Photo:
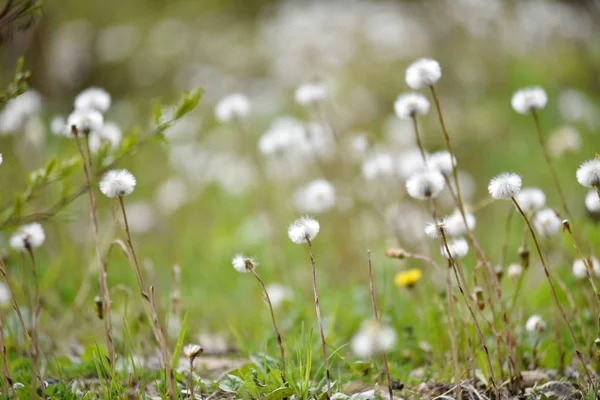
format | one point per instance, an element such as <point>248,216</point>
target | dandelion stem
<point>452,332</point>
<point>36,302</point>
<point>319,321</point>
<point>192,378</point>
<point>376,313</point>
<point>268,299</point>
<point>106,304</point>
<point>418,137</point>
<point>588,267</point>
<point>136,265</point>
<point>553,290</point>
<point>5,372</point>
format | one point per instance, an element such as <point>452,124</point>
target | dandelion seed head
<point>564,140</point>
<point>95,99</point>
<point>310,93</point>
<point>434,229</point>
<point>531,199</point>
<point>58,126</point>
<point>588,173</point>
<point>232,107</point>
<point>441,161</point>
<point>458,248</point>
<point>5,297</point>
<point>425,185</point>
<point>455,223</point>
<point>529,99</point>
<point>514,271</point>
<point>423,72</point>
<point>378,165</point>
<point>316,197</point>
<point>592,202</point>
<point>546,222</point>
<point>303,228</point>
<point>109,134</point>
<point>18,110</point>
<point>279,294</point>
<point>29,236</point>
<point>117,183</point>
<point>374,337</point>
<point>580,270</point>
<point>504,186</point>
<point>535,324</point>
<point>409,105</point>
<point>85,121</point>
<point>243,264</point>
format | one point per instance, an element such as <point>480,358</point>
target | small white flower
<point>529,99</point>
<point>504,186</point>
<point>434,230</point>
<point>588,173</point>
<point>109,134</point>
<point>535,324</point>
<point>303,228</point>
<point>441,161</point>
<point>546,222</point>
<point>579,268</point>
<point>531,199</point>
<point>243,264</point>
<point>425,185</point>
<point>117,183</point>
<point>310,93</point>
<point>514,271</point>
<point>592,202</point>
<point>458,248</point>
<point>409,105</point>
<point>27,237</point>
<point>85,121</point>
<point>316,197</point>
<point>232,107</point>
<point>191,351</point>
<point>279,293</point>
<point>94,98</point>
<point>455,223</point>
<point>373,338</point>
<point>423,72</point>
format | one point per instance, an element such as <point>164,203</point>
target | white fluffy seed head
<point>423,72</point>
<point>441,161</point>
<point>455,223</point>
<point>191,351</point>
<point>409,105</point>
<point>592,202</point>
<point>302,229</point>
<point>514,271</point>
<point>535,324</point>
<point>243,264</point>
<point>85,121</point>
<point>434,229</point>
<point>310,93</point>
<point>588,173</point>
<point>316,197</point>
<point>279,294</point>
<point>529,99</point>
<point>232,107</point>
<point>425,185</point>
<point>374,337</point>
<point>580,269</point>
<point>110,134</point>
<point>95,99</point>
<point>546,222</point>
<point>29,236</point>
<point>458,248</point>
<point>117,183</point>
<point>504,186</point>
<point>531,199</point>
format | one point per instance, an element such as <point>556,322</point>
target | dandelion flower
<point>373,338</point>
<point>109,134</point>
<point>458,248</point>
<point>94,98</point>
<point>423,72</point>
<point>117,183</point>
<point>302,229</point>
<point>504,186</point>
<point>514,271</point>
<point>85,121</point>
<point>546,222</point>
<point>192,351</point>
<point>28,237</point>
<point>535,324</point>
<point>580,270</point>
<point>531,199</point>
<point>588,173</point>
<point>529,99</point>
<point>592,202</point>
<point>407,279</point>
<point>455,223</point>
<point>409,105</point>
<point>316,197</point>
<point>232,107</point>
<point>425,185</point>
<point>310,93</point>
<point>243,264</point>
<point>441,161</point>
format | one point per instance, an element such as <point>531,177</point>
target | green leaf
<point>230,383</point>
<point>50,165</point>
<point>281,393</point>
<point>179,344</point>
<point>188,102</point>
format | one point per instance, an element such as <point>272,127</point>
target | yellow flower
<point>408,278</point>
